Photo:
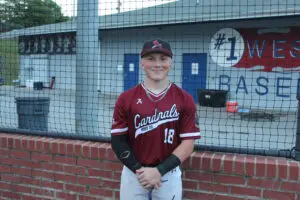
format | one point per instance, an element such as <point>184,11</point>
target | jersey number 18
<point>169,134</point>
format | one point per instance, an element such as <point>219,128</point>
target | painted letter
<point>280,87</point>
<point>226,82</point>
<point>295,52</point>
<point>242,80</point>
<point>256,47</point>
<point>258,81</point>
<point>276,48</point>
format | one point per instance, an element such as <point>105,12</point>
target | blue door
<point>194,73</point>
<point>131,70</point>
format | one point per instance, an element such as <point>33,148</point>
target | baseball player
<point>153,130</point>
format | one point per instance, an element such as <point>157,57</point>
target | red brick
<point>267,194</point>
<point>5,185</point>
<point>75,188</point>
<point>54,146</point>
<point>44,174</point>
<point>210,187</point>
<point>11,195</point>
<point>21,189</point>
<point>66,196</point>
<point>41,157</point>
<point>31,181</point>
<point>260,166</point>
<point>43,192</point>
<point>83,197</point>
<point>4,152</point>
<point>239,164</point>
<point>221,197</point>
<point>20,154</point>
<point>206,162</point>
<point>65,178</point>
<point>264,183</point>
<point>196,175</point>
<point>74,170</point>
<point>47,145</point>
<point>100,173</point>
<point>78,148</point>
<point>271,168</point>
<point>246,191</point>
<point>190,184</point>
<point>227,179</point>
<point>70,149</point>
<point>10,178</point>
<point>31,144</point>
<point>86,150</point>
<point>111,184</point>
<point>62,148</point>
<point>197,195</point>
<point>89,163</point>
<point>111,165</point>
<point>64,160</point>
<point>10,143</point>
<point>52,184</point>
<point>101,192</point>
<point>102,151</point>
<point>290,186</point>
<point>117,175</point>
<point>94,151</point>
<point>3,142</point>
<point>17,143</point>
<point>39,145</point>
<point>195,161</point>
<point>216,162</point>
<point>4,169</point>
<point>52,166</point>
<point>250,166</point>
<point>21,171</point>
<point>228,164</point>
<point>110,155</point>
<point>294,170</point>
<point>89,181</point>
<point>282,168</point>
<point>25,197</point>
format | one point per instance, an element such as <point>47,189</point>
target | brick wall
<point>40,168</point>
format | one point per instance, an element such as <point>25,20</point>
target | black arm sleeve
<point>124,153</point>
<point>170,163</point>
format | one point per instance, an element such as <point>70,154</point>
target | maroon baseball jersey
<point>155,124</point>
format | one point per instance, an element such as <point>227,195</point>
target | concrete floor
<point>218,127</point>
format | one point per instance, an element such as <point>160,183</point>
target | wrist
<point>170,163</point>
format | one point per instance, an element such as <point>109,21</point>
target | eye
<point>163,58</point>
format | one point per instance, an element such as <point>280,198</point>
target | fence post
<point>297,147</point>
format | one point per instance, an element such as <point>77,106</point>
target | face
<point>156,66</point>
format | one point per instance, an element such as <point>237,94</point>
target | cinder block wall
<point>40,168</point>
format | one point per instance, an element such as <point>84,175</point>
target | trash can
<point>212,98</point>
<point>37,85</point>
<point>33,112</point>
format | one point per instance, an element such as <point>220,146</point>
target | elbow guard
<point>124,153</point>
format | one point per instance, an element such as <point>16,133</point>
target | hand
<point>149,177</point>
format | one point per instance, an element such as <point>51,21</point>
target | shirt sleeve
<point>119,121</point>
<point>189,121</point>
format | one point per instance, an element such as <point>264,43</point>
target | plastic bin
<point>212,98</point>
<point>37,85</point>
<point>33,112</point>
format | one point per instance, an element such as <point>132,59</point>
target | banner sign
<point>60,43</point>
<point>267,50</point>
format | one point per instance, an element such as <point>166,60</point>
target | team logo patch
<point>156,44</point>
<point>139,101</point>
